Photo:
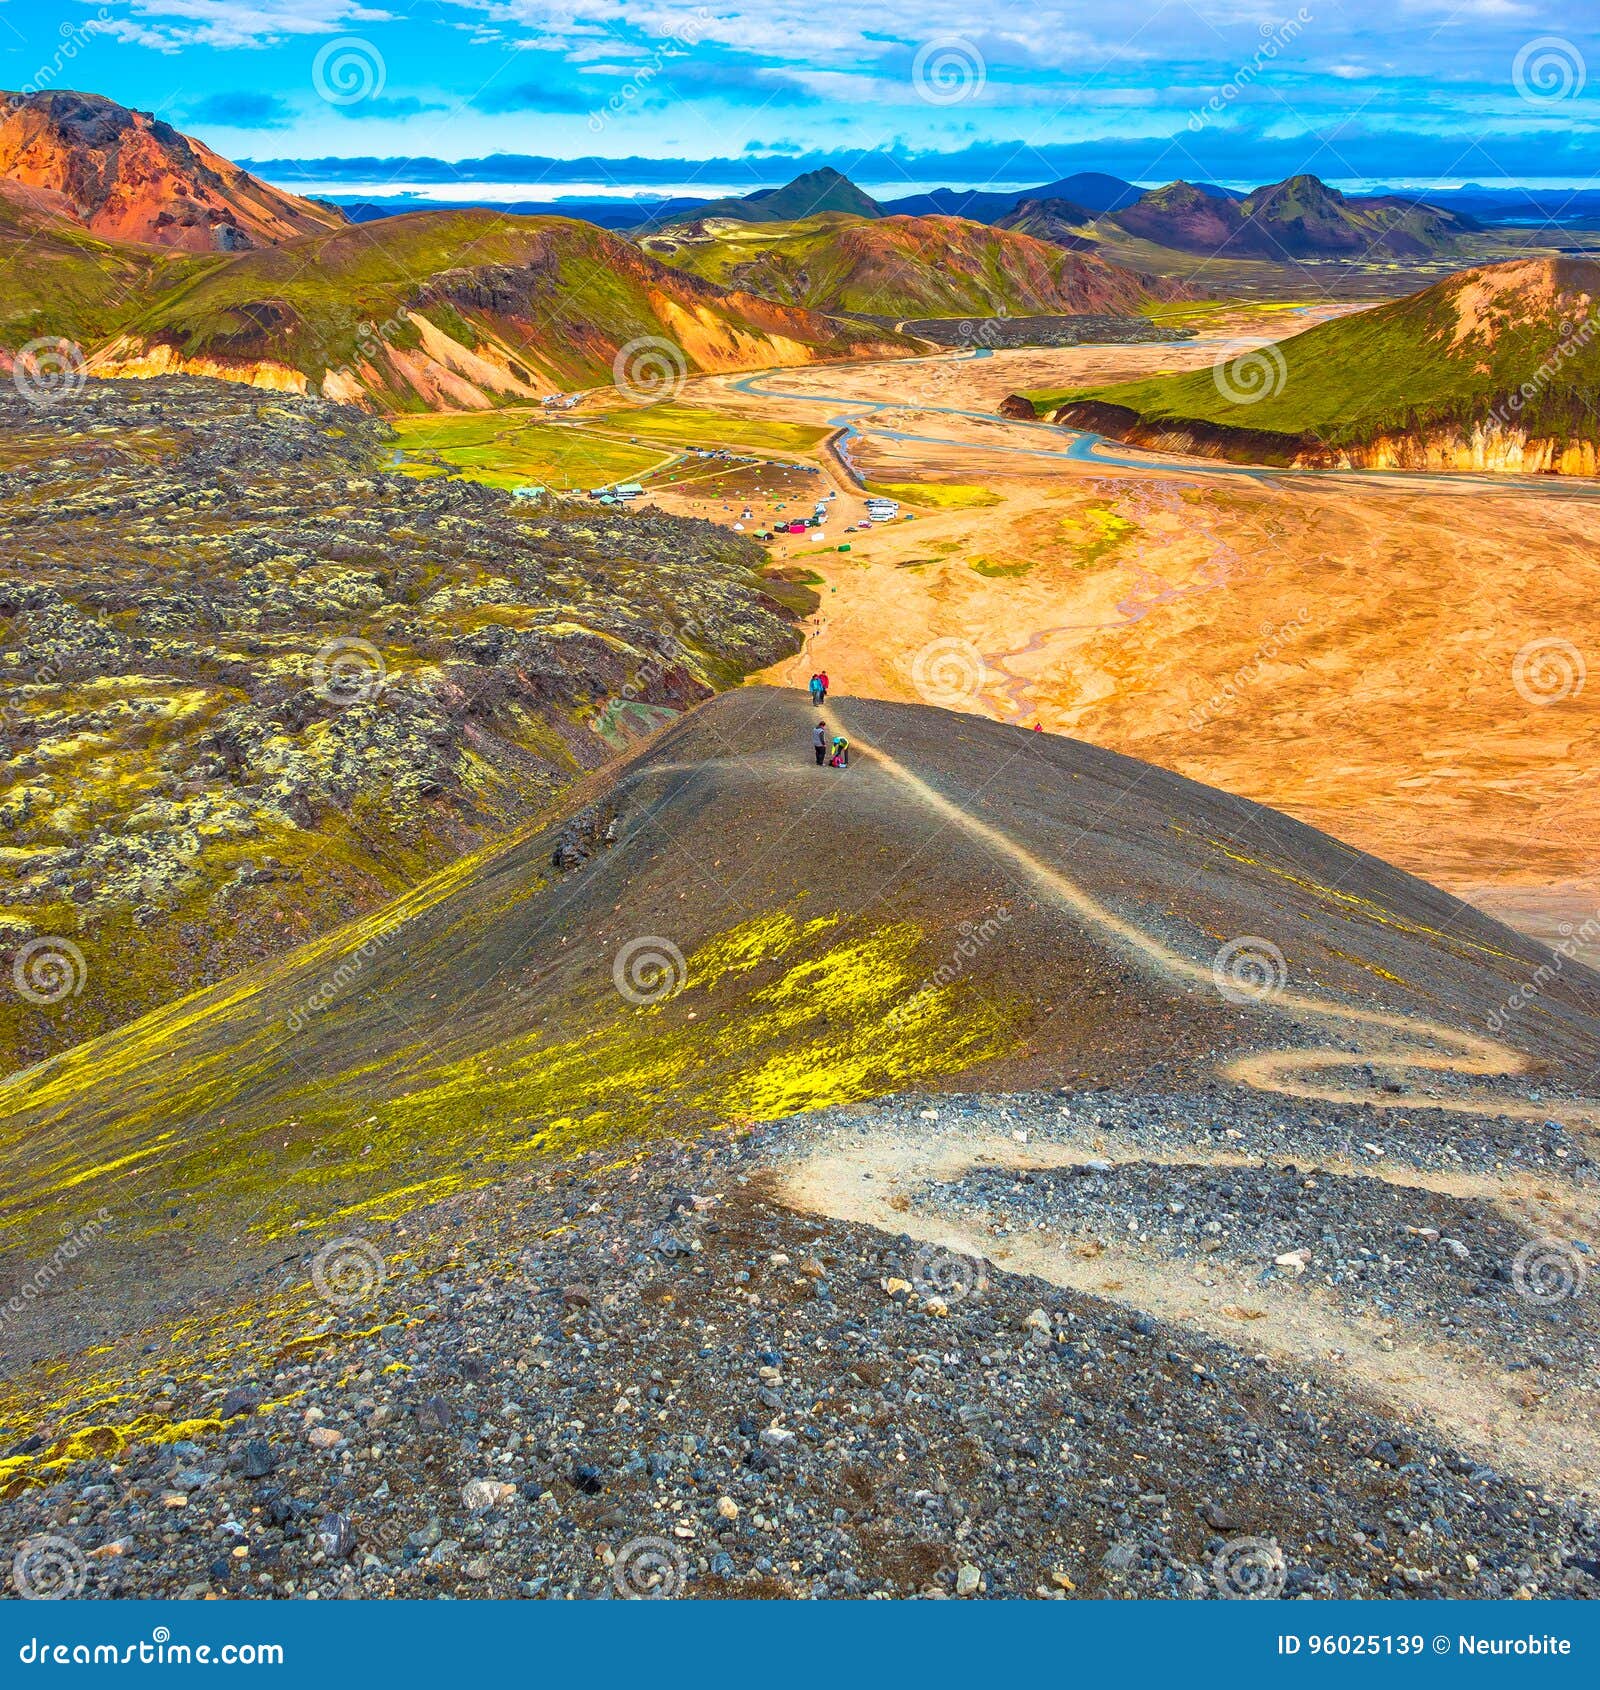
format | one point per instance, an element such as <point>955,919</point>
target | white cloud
<point>169,25</point>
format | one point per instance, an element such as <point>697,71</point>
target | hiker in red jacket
<point>823,677</point>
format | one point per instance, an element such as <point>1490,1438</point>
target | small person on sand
<point>819,741</point>
<point>841,752</point>
<point>816,691</point>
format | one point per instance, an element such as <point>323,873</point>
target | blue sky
<point>614,95</point>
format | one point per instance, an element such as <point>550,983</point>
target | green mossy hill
<point>1518,343</point>
<point>907,267</point>
<point>57,280</point>
<point>550,300</point>
<point>253,682</point>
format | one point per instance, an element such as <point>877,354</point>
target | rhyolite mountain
<point>155,256</point>
<point>127,176</point>
<point>463,308</point>
<point>58,279</point>
<point>1494,368</point>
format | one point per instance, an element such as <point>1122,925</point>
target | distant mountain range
<point>1494,368</point>
<point>826,190</point>
<point>1522,207</point>
<point>1575,208</point>
<point>1090,189</point>
<point>1296,219</point>
<point>159,256</point>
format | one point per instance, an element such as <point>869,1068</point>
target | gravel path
<point>652,1377</point>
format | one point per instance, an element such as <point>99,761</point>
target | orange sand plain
<point>1344,650</point>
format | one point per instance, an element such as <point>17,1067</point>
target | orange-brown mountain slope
<point>126,176</point>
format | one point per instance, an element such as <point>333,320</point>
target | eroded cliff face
<point>1493,449</point>
<point>143,360</point>
<point>1487,447</point>
<point>502,367</point>
<point>1181,439</point>
<point>1018,408</point>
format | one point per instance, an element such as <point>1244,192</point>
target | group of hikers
<point>834,751</point>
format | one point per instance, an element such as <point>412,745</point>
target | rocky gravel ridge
<point>649,1376</point>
